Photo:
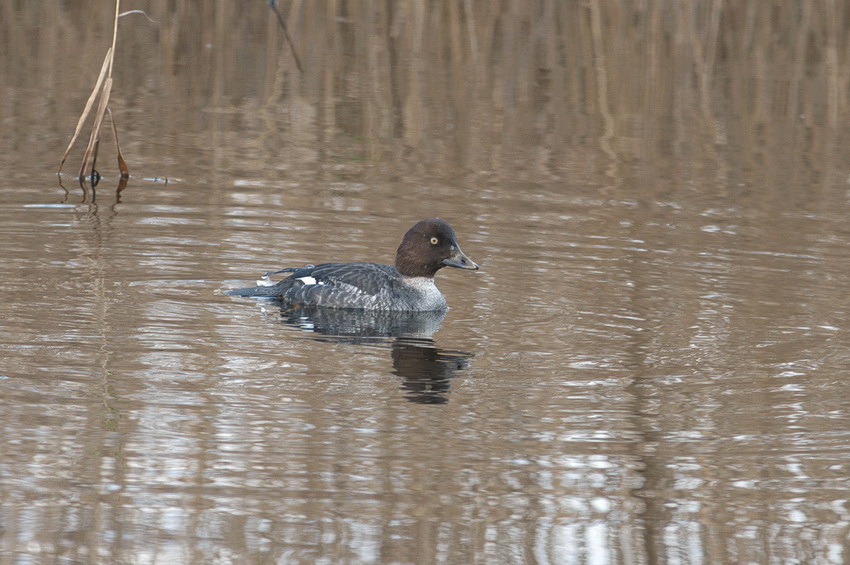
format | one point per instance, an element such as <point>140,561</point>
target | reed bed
<point>472,84</point>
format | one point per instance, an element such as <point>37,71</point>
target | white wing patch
<point>309,280</point>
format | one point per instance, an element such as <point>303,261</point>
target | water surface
<point>649,368</point>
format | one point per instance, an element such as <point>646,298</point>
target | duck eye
<point>434,241</point>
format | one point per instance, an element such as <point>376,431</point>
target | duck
<point>407,286</point>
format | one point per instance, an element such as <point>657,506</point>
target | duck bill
<point>460,260</point>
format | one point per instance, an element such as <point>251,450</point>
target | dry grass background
<point>515,88</point>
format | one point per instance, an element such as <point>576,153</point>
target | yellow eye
<point>434,241</point>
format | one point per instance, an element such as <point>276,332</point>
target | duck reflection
<point>426,370</point>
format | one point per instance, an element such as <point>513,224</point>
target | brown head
<point>429,246</point>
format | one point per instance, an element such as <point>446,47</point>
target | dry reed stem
<point>122,165</point>
<point>89,104</point>
<point>282,21</point>
<point>102,89</point>
<point>90,154</point>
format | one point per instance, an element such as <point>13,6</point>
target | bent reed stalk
<point>102,90</point>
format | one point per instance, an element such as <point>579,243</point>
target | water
<point>649,367</point>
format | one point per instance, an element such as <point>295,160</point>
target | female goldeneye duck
<point>426,248</point>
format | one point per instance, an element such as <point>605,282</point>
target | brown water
<point>650,367</point>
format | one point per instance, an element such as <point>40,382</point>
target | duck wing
<point>343,280</point>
